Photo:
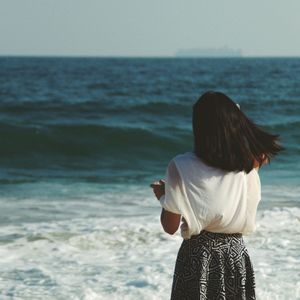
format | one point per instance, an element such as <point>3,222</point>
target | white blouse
<point>210,198</point>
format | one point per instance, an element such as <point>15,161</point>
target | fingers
<point>157,183</point>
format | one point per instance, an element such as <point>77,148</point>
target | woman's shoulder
<point>185,157</point>
<point>189,161</point>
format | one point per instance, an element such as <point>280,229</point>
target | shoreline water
<point>124,253</point>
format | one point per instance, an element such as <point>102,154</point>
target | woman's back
<point>210,198</point>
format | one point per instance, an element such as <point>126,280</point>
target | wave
<point>86,139</point>
<point>163,108</point>
<point>288,125</point>
<point>48,106</point>
<point>81,107</point>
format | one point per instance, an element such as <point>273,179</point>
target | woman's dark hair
<point>225,138</point>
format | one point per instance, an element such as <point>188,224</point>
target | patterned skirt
<point>213,266</point>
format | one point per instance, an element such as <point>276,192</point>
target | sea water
<point>82,139</point>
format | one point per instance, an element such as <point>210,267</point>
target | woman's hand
<point>158,188</point>
<point>265,161</point>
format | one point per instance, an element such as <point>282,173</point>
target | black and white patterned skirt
<point>213,266</point>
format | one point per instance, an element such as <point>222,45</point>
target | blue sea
<point>82,139</point>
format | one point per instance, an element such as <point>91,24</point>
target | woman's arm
<point>169,221</point>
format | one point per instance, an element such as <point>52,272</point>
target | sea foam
<point>132,258</point>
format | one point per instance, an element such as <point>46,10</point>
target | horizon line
<point>144,56</point>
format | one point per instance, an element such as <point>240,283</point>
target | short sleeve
<point>174,197</point>
<point>254,186</point>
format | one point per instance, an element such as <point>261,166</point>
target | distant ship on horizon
<point>209,52</point>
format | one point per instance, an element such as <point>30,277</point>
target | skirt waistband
<point>217,235</point>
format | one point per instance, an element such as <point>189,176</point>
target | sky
<point>148,27</point>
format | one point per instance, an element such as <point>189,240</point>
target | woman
<point>214,192</point>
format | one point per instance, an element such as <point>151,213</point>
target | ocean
<point>82,139</point>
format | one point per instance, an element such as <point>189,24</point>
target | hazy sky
<point>148,27</point>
